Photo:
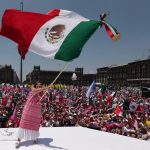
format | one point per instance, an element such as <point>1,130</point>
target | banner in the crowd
<point>91,89</point>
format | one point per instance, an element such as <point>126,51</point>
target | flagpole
<point>64,68</point>
<point>21,8</point>
<point>66,65</point>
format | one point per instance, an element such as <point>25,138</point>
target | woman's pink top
<point>31,116</point>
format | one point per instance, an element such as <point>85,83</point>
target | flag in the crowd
<point>118,110</point>
<point>90,101</point>
<point>115,102</point>
<point>102,89</point>
<point>110,98</point>
<point>140,108</point>
<point>9,103</point>
<point>145,92</point>
<point>1,94</point>
<point>60,34</point>
<point>91,89</point>
<point>133,106</point>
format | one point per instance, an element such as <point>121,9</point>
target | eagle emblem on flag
<point>55,34</point>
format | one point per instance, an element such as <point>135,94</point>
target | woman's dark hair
<point>35,84</point>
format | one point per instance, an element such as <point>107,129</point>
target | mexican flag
<point>60,34</point>
<point>118,110</point>
<point>103,91</point>
<point>1,94</point>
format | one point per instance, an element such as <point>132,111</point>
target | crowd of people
<point>123,112</point>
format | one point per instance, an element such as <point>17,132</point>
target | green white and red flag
<point>60,34</point>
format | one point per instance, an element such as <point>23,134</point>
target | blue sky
<point>130,17</point>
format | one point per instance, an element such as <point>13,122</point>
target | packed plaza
<point>123,112</point>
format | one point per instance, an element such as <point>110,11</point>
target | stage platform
<point>72,138</point>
